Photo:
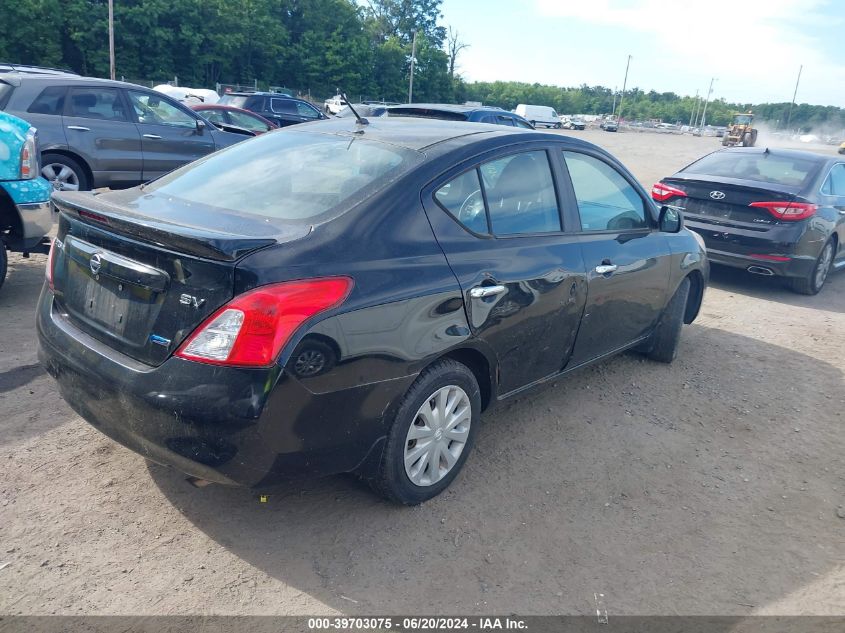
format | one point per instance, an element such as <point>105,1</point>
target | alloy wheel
<point>823,266</point>
<point>437,436</point>
<point>62,177</point>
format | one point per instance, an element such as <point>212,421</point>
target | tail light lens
<point>662,192</point>
<point>51,261</point>
<point>29,156</point>
<point>789,211</point>
<point>252,329</point>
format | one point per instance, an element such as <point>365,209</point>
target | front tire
<point>813,283</point>
<point>662,345</point>
<point>431,436</point>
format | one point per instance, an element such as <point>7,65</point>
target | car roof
<point>259,93</point>
<point>33,70</point>
<point>448,107</point>
<point>420,134</point>
<point>63,78</point>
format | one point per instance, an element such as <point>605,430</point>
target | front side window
<point>215,116</point>
<point>521,194</point>
<point>834,185</point>
<point>606,200</point>
<point>505,120</point>
<point>50,101</point>
<point>303,109</point>
<point>152,109</point>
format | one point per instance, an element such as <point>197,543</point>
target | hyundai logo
<point>717,195</point>
<point>95,263</point>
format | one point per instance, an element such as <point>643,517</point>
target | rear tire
<point>64,173</point>
<point>392,479</point>
<point>814,282</point>
<point>753,138</point>
<point>4,260</point>
<point>662,345</point>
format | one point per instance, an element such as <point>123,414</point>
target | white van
<point>539,115</point>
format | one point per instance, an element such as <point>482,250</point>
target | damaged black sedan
<point>340,297</point>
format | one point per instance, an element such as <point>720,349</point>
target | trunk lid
<point>725,201</point>
<point>140,272</point>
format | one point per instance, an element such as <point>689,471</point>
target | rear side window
<point>463,199</point>
<point>760,167</point>
<point>50,101</point>
<point>289,176</point>
<point>521,194</point>
<point>96,103</point>
<point>5,93</point>
<point>283,106</point>
<point>606,200</point>
<point>834,185</point>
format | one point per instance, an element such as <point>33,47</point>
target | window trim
<point>475,163</point>
<point>648,203</point>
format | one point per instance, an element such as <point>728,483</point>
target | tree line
<point>319,47</point>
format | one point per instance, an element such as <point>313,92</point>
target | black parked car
<point>101,133</point>
<point>344,298</point>
<point>281,109</point>
<point>448,112</point>
<point>768,211</point>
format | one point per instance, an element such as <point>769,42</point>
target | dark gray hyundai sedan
<point>338,297</point>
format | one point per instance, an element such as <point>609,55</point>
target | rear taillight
<point>662,192</point>
<point>252,329</point>
<point>789,211</point>
<point>51,261</point>
<point>29,156</point>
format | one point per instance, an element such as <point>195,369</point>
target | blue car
<point>25,216</point>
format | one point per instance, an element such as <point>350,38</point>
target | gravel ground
<point>714,486</point>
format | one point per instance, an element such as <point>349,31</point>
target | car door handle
<point>154,136</point>
<point>605,269</point>
<point>79,128</point>
<point>479,292</point>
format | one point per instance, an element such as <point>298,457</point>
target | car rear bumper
<point>782,252</point>
<point>251,427</point>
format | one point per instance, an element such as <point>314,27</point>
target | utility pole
<point>794,94</point>
<point>624,84</point>
<point>706,99</point>
<point>111,39</point>
<point>615,90</point>
<point>693,108</point>
<point>413,59</point>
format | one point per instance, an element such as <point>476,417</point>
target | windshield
<point>237,101</point>
<point>762,167</point>
<point>742,119</point>
<point>289,176</point>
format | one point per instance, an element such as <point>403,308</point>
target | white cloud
<point>754,47</point>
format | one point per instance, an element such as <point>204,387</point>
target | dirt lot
<point>708,487</point>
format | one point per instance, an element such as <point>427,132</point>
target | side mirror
<point>670,219</point>
<point>200,126</point>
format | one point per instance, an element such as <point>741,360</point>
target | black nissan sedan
<point>767,211</point>
<point>339,297</point>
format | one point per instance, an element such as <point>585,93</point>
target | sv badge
<point>191,300</point>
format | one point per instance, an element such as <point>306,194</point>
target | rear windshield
<point>428,113</point>
<point>289,175</point>
<point>769,168</point>
<point>233,100</point>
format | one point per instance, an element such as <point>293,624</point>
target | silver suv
<point>101,133</point>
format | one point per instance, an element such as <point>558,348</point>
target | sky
<point>753,48</point>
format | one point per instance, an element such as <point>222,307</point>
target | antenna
<point>361,120</point>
